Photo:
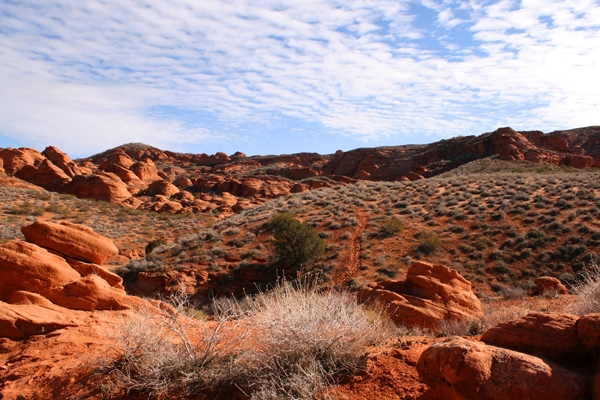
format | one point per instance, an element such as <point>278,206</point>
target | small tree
<point>295,244</point>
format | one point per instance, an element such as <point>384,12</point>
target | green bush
<point>295,245</point>
<point>392,226</point>
<point>428,242</point>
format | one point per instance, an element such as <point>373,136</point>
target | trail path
<point>351,262</point>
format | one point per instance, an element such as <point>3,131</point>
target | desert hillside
<point>168,272</point>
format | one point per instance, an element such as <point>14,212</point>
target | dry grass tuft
<point>588,292</point>
<point>306,340</point>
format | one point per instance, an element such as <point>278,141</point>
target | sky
<point>283,76</point>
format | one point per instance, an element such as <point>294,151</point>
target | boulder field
<point>140,176</point>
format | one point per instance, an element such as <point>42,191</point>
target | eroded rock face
<point>72,240</point>
<point>15,159</point>
<point>62,161</point>
<point>45,174</point>
<point>163,188</point>
<point>463,369</point>
<point>550,336</point>
<point>145,170</point>
<point>103,186</point>
<point>430,294</point>
<point>39,288</point>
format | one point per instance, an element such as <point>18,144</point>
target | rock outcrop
<point>72,240</point>
<point>127,175</point>
<point>460,369</point>
<point>62,161</point>
<point>43,279</point>
<point>103,186</point>
<point>430,294</point>
<point>539,356</point>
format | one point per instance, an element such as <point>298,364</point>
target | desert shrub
<point>392,226</point>
<point>156,355</point>
<point>307,341</point>
<point>587,291</point>
<point>295,244</point>
<point>153,244</point>
<point>25,209</point>
<point>429,242</point>
<point>40,195</point>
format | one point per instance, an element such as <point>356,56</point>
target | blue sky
<point>279,76</point>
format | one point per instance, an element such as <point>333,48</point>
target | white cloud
<point>86,74</point>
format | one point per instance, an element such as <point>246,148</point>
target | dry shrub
<point>289,343</point>
<point>163,351</point>
<point>494,313</point>
<point>305,340</point>
<point>587,291</point>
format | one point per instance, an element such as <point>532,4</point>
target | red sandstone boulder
<point>38,288</point>
<point>162,187</point>
<point>90,293</point>
<point>72,240</point>
<point>548,284</point>
<point>45,174</point>
<point>20,321</point>
<point>85,269</point>
<point>588,333</point>
<point>2,166</point>
<point>184,197</point>
<point>15,159</point>
<point>182,182</point>
<point>549,336</point>
<point>25,266</point>
<point>127,176</point>
<point>104,186</point>
<point>62,161</point>
<point>171,207</point>
<point>430,294</point>
<point>459,369</point>
<point>145,170</point>
<point>118,157</point>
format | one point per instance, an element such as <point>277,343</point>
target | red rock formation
<point>15,159</point>
<point>430,294</point>
<point>162,187</point>
<point>182,182</point>
<point>104,186</point>
<point>460,369</point>
<point>127,176</point>
<point>72,240</point>
<point>38,288</point>
<point>118,157</point>
<point>62,161</point>
<point>2,166</point>
<point>25,266</point>
<point>548,284</point>
<point>145,170</point>
<point>550,336</point>
<point>45,174</point>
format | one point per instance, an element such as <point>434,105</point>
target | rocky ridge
<point>141,176</point>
